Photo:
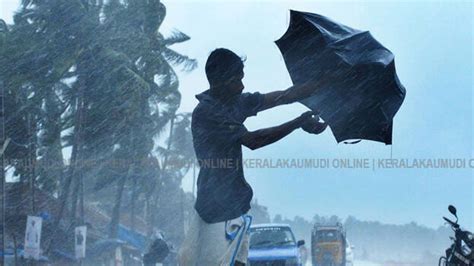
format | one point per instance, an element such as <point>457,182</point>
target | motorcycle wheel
<point>442,261</point>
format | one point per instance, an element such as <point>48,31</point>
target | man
<point>218,235</point>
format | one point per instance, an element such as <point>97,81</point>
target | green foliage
<point>96,77</point>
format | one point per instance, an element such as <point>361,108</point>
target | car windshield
<point>271,237</point>
<point>328,235</point>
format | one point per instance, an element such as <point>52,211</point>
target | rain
<point>104,154</point>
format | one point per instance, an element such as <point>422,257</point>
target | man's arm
<point>257,139</point>
<point>290,95</point>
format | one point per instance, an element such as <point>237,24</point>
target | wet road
<point>357,263</point>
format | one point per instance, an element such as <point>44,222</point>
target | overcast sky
<point>432,43</point>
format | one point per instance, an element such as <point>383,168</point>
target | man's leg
<point>206,244</point>
<point>242,253</point>
<point>212,243</point>
<point>237,248</point>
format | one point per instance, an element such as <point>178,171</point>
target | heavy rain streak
<point>123,142</point>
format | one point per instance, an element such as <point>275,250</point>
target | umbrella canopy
<point>358,91</point>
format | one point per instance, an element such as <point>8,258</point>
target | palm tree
<point>178,158</point>
<point>152,87</point>
<point>105,72</point>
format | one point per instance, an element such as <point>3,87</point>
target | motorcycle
<point>461,252</point>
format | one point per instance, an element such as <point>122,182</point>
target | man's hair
<point>223,65</point>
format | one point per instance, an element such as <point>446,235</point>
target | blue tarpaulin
<point>131,237</point>
<point>9,253</point>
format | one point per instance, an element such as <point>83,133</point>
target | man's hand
<point>304,118</point>
<point>308,121</point>
<point>311,124</point>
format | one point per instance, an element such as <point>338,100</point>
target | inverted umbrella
<point>358,91</point>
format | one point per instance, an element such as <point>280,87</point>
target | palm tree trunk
<point>170,139</point>
<point>115,219</point>
<point>77,142</point>
<point>32,158</point>
<point>81,199</point>
<point>146,215</point>
<point>133,202</point>
<point>74,196</point>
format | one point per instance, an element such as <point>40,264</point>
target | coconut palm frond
<point>176,37</point>
<point>3,26</point>
<point>136,78</point>
<point>176,58</point>
<point>26,3</point>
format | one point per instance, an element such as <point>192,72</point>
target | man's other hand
<point>311,124</point>
<point>304,118</point>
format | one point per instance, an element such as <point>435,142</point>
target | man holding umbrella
<point>218,234</point>
<point>357,93</point>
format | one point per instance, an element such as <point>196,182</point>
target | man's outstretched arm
<point>262,137</point>
<point>290,95</point>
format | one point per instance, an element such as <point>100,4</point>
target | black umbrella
<point>358,91</point>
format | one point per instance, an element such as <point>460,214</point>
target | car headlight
<point>292,262</point>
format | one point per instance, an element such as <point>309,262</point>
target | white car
<point>349,254</point>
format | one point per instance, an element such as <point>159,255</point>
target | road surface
<point>357,263</point>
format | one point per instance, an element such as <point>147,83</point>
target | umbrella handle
<point>352,142</point>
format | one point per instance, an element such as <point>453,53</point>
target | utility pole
<point>32,160</point>
<point>2,174</point>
